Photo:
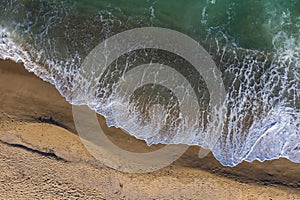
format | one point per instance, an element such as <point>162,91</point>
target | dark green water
<point>254,43</point>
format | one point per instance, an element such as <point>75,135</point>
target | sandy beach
<point>42,157</point>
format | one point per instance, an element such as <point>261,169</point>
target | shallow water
<point>255,44</point>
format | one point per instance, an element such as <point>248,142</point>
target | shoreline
<point>35,119</point>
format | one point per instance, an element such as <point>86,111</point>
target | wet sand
<point>42,157</point>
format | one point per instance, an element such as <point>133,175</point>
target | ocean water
<point>254,43</point>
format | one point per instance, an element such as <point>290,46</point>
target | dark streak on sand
<point>44,154</point>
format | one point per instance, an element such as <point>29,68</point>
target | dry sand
<point>42,157</point>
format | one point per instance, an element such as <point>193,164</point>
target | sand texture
<point>42,157</point>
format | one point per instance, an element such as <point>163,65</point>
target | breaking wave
<point>258,56</point>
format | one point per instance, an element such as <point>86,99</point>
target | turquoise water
<point>255,44</point>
